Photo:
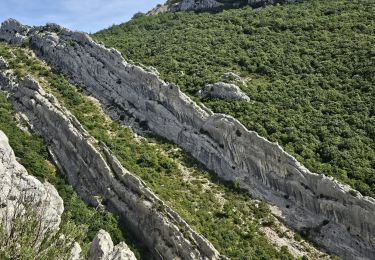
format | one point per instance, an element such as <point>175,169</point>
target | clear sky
<point>81,15</point>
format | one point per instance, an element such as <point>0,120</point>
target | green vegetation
<point>24,239</point>
<point>220,211</point>
<point>309,70</point>
<point>33,155</point>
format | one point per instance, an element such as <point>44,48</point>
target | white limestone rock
<point>102,248</point>
<point>224,91</point>
<point>93,176</point>
<point>203,5</point>
<point>18,188</point>
<point>186,5</point>
<point>305,200</point>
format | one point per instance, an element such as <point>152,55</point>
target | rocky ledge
<point>99,178</point>
<point>332,214</point>
<point>204,5</point>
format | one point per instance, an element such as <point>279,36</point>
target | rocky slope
<point>98,177</point>
<point>331,214</point>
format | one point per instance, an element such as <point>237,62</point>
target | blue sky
<point>82,15</point>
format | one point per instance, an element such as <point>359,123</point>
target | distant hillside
<point>309,70</point>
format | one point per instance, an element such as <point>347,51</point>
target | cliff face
<point>18,189</point>
<point>94,176</point>
<point>318,205</point>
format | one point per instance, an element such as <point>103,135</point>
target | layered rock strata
<point>334,216</point>
<point>98,178</point>
<point>19,190</point>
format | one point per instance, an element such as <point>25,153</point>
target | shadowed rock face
<point>18,188</point>
<point>93,176</point>
<point>316,204</point>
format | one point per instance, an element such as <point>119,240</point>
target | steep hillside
<point>222,212</point>
<point>81,221</point>
<point>308,69</point>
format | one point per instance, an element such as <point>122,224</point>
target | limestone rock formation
<point>158,10</point>
<point>199,5</point>
<point>76,155</point>
<point>102,248</point>
<point>313,203</point>
<point>186,5</point>
<point>18,189</point>
<point>12,31</point>
<point>223,91</point>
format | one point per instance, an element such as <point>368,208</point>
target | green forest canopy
<point>310,71</point>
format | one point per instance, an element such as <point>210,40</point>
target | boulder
<point>224,91</point>
<point>102,248</point>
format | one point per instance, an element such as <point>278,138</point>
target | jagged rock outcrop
<point>12,31</point>
<point>102,248</point>
<point>223,91</point>
<point>333,217</point>
<point>18,190</point>
<point>158,10</point>
<point>203,5</point>
<point>187,5</point>
<point>79,157</point>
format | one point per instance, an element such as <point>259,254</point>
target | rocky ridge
<point>333,215</point>
<point>206,5</point>
<point>95,173</point>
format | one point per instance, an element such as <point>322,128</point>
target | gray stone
<point>337,220</point>
<point>102,248</point>
<point>12,31</point>
<point>223,91</point>
<point>18,189</point>
<point>203,5</point>
<point>187,5</point>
